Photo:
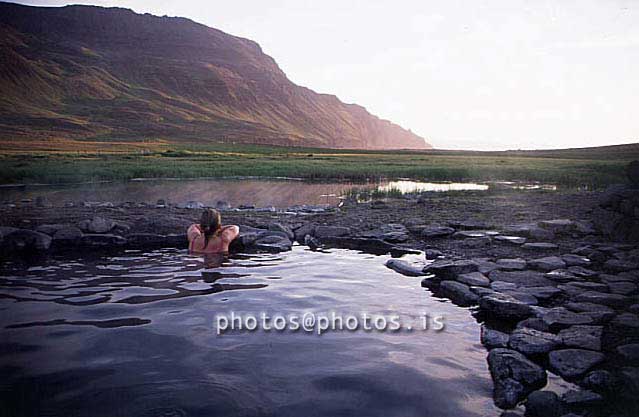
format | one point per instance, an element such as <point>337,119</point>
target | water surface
<point>134,335</point>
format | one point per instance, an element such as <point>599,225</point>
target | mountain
<point>93,73</point>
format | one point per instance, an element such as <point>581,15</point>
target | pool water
<point>136,335</point>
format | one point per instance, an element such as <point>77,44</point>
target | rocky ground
<point>546,273</point>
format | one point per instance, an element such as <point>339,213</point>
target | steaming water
<point>260,193</point>
<point>134,335</point>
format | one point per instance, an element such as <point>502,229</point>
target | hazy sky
<point>475,74</point>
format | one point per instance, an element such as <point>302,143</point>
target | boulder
<point>305,229</point>
<point>458,293</point>
<point>547,264</point>
<point>611,300</point>
<point>543,404</point>
<point>573,363</point>
<point>543,294</point>
<point>451,269</point>
<point>331,231</point>
<point>97,225</point>
<point>272,243</point>
<point>514,376</point>
<point>485,266</point>
<point>404,268</point>
<point>493,338</point>
<point>533,342</point>
<point>102,240</point>
<point>559,318</point>
<point>599,380</point>
<point>67,236</point>
<point>582,336</point>
<point>474,279</point>
<point>521,278</point>
<point>26,241</point>
<point>505,307</point>
<point>279,227</point>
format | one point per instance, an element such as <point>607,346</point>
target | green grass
<point>574,169</point>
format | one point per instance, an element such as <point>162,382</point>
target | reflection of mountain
<point>81,72</point>
<point>236,192</point>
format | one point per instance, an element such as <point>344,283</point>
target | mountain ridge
<point>94,73</point>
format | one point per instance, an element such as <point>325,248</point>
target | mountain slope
<point>84,72</point>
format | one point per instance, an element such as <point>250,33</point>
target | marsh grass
<point>589,170</point>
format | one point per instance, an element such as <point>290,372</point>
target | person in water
<point>210,237</point>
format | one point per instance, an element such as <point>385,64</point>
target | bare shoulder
<point>231,232</point>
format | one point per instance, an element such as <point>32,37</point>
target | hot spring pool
<point>135,335</point>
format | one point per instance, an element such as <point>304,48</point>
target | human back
<point>210,236</point>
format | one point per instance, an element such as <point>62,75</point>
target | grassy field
<point>589,167</point>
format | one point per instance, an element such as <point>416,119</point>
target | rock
<point>533,342</point>
<point>194,205</point>
<point>521,278</point>
<point>581,336</point>
<point>559,318</point>
<point>485,266</point>
<point>311,242</point>
<point>378,205</point>
<point>622,277</point>
<point>516,264</point>
<point>305,229</point>
<point>404,268</point>
<point>468,234</point>
<point>623,329</point>
<point>474,243</point>
<point>468,225</point>
<point>273,244</point>
<point>458,293</point>
<point>575,260</point>
<point>493,338</point>
<point>521,295</point>
<point>610,300</point>
<point>581,399</point>
<point>431,254</point>
<point>50,229</point>
<point>622,287</point>
<point>543,404</point>
<point>629,353</point>
<point>505,307</point>
<point>513,240</point>
<point>561,275</point>
<point>474,278</point>
<point>437,231</point>
<point>279,227</point>
<point>632,172</point>
<point>97,225</point>
<point>68,235</point>
<point>573,363</point>
<point>547,264</point>
<point>558,226</point>
<point>161,203</point>
<point>331,231</point>
<point>617,265</point>
<point>598,312</point>
<point>222,205</point>
<point>101,240</point>
<point>543,294</point>
<point>580,271</point>
<point>514,376</point>
<point>531,231</point>
<point>539,246</point>
<point>629,382</point>
<point>26,241</point>
<point>599,380</point>
<point>430,282</point>
<point>451,269</point>
<point>533,323</point>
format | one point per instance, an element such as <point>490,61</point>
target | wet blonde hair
<point>210,223</point>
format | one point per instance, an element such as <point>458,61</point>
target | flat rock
<point>580,271</point>
<point>622,287</point>
<point>581,336</point>
<point>573,363</point>
<point>504,307</point>
<point>516,264</point>
<point>533,342</point>
<point>513,240</point>
<point>458,293</point>
<point>547,264</point>
<point>539,246</point>
<point>558,226</point>
<point>485,266</point>
<point>572,259</point>
<point>437,231</point>
<point>521,278</point>
<point>404,268</point>
<point>474,279</point>
<point>559,318</point>
<point>331,231</point>
<point>543,294</point>
<point>561,275</point>
<point>451,269</point>
<point>514,376</point>
<point>610,300</point>
<point>493,338</point>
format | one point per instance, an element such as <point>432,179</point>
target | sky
<point>474,74</point>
